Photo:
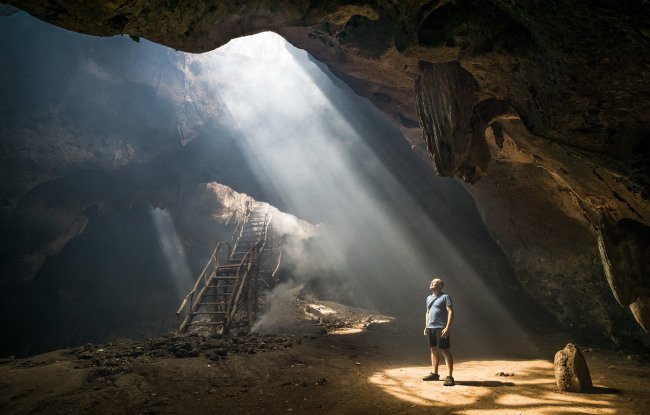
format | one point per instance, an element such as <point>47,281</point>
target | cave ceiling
<point>542,109</point>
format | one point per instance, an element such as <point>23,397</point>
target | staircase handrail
<point>240,224</point>
<point>247,268</point>
<point>250,257</point>
<point>202,275</point>
<point>263,234</point>
<point>275,270</point>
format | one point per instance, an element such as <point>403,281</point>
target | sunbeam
<point>173,250</point>
<point>305,139</point>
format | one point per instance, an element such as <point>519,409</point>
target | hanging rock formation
<point>625,249</point>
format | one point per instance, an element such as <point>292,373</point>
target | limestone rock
<point>454,120</point>
<point>571,371</point>
<point>641,312</point>
<point>624,247</point>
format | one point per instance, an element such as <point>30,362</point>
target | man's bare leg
<point>434,363</point>
<point>449,361</point>
<point>435,359</point>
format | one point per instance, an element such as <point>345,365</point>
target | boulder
<point>571,371</point>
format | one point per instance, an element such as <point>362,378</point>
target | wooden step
<point>222,285</point>
<point>225,273</point>
<point>196,313</point>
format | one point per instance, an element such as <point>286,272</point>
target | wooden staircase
<point>228,288</point>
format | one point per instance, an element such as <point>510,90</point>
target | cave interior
<point>501,145</point>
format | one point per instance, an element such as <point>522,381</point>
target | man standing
<point>439,317</point>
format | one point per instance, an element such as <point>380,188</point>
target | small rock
<point>571,371</point>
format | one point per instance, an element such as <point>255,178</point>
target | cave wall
<point>562,83</point>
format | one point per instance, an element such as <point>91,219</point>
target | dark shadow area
<point>109,283</point>
<point>484,383</point>
<point>599,390</point>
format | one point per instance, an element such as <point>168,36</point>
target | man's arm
<point>426,322</point>
<point>450,319</point>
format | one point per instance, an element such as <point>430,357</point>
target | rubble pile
<point>213,347</point>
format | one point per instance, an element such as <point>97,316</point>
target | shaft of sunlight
<point>172,250</point>
<point>311,154</point>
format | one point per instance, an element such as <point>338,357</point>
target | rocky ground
<point>350,361</point>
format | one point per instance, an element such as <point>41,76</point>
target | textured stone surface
<point>641,311</point>
<point>625,251</point>
<point>543,204</point>
<point>454,121</point>
<point>571,371</point>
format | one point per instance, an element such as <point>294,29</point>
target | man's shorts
<point>436,341</point>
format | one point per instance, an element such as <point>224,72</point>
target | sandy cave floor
<point>356,370</point>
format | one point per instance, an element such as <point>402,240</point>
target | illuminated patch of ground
<point>480,386</point>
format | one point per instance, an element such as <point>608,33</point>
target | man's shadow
<point>596,390</point>
<point>484,383</point>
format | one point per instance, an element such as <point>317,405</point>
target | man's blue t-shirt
<point>438,311</point>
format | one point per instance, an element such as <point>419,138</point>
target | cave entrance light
<point>286,120</point>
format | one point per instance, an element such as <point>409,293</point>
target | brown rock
<point>571,371</point>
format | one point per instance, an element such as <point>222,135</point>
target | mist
<point>327,159</point>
